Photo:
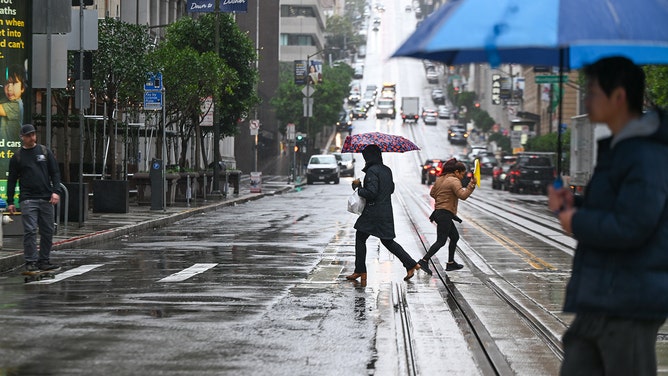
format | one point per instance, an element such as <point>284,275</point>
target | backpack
<point>18,153</point>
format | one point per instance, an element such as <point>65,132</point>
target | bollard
<point>188,190</point>
<point>3,206</point>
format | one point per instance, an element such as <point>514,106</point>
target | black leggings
<point>445,228</point>
<point>390,244</point>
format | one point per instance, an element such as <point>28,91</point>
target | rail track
<point>547,326</point>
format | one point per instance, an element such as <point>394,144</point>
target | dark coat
<point>377,218</point>
<point>620,267</point>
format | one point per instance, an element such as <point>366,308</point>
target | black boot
<point>424,265</point>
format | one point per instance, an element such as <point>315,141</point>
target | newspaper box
<point>256,182</point>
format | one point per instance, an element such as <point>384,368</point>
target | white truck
<point>584,138</point>
<point>410,109</point>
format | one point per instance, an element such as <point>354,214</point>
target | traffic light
<point>477,104</point>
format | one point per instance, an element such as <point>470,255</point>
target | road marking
<point>69,273</point>
<point>187,273</point>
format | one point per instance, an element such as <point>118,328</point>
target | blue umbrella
<point>567,33</point>
<point>563,33</point>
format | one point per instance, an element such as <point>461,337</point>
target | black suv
<point>531,172</point>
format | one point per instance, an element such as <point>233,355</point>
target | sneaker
<point>47,265</point>
<point>453,266</point>
<point>31,266</point>
<point>424,265</point>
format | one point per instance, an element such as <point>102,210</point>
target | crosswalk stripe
<point>69,273</point>
<point>187,273</point>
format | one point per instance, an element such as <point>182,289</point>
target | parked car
<point>431,169</point>
<point>322,168</point>
<point>438,96</point>
<point>443,112</point>
<point>346,163</point>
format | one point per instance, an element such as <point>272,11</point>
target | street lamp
<point>308,89</point>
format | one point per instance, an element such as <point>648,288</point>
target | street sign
<point>254,127</point>
<point>291,131</point>
<point>308,107</point>
<point>309,92</point>
<point>153,100</point>
<point>551,79</point>
<point>153,81</point>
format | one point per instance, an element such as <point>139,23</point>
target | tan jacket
<point>447,190</point>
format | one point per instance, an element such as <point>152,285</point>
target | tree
<point>119,70</point>
<point>657,84</point>
<point>328,97</point>
<point>189,78</point>
<point>236,51</point>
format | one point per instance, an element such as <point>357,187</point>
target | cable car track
<point>546,326</point>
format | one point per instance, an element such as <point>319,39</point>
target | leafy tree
<point>503,142</point>
<point>189,77</point>
<point>657,84</point>
<point>119,70</point>
<point>327,98</point>
<point>548,143</point>
<point>236,51</point>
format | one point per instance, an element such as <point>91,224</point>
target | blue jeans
<point>597,344</point>
<point>37,214</point>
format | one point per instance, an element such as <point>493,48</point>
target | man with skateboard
<point>36,169</point>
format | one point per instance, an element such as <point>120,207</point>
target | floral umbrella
<point>386,142</point>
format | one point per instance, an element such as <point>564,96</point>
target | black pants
<point>390,244</point>
<point>597,344</point>
<point>445,228</point>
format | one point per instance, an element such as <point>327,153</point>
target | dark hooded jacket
<point>620,267</point>
<point>377,218</point>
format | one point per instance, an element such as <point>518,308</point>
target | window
<point>296,11</point>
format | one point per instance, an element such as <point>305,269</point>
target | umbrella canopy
<point>386,142</point>
<point>567,33</point>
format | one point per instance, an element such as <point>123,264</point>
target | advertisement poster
<point>15,39</point>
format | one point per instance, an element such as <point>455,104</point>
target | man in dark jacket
<point>377,218</point>
<point>619,284</point>
<point>36,169</point>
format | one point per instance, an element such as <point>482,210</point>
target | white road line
<point>187,273</point>
<point>69,273</point>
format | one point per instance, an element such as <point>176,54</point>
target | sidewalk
<point>100,227</point>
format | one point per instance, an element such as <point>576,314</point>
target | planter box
<point>111,196</point>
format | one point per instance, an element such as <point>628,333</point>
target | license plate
<point>536,182</point>
<point>321,177</point>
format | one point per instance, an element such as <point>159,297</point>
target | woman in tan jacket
<point>447,191</point>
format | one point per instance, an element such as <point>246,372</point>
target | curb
<point>15,260</point>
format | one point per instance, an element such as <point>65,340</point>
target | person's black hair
<point>614,72</point>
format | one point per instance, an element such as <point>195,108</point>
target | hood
<point>372,155</point>
<point>652,124</point>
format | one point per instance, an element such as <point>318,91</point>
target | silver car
<point>346,163</point>
<point>324,168</point>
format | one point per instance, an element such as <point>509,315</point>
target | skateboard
<point>39,275</point>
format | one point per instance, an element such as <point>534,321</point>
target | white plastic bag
<point>356,203</point>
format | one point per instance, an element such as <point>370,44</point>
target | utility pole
<point>215,191</point>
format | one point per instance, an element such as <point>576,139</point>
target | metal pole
<point>48,75</point>
<point>81,114</point>
<point>215,189</point>
<point>164,151</point>
<point>257,68</point>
